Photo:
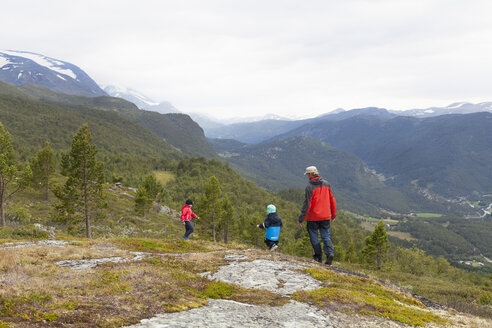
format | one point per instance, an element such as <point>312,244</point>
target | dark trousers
<point>270,243</point>
<point>324,230</point>
<point>189,229</point>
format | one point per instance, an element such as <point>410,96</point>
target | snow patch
<point>428,111</point>
<point>4,61</point>
<point>122,92</point>
<point>456,105</point>
<point>47,62</point>
<point>61,77</point>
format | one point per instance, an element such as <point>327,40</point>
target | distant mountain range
<point>22,67</point>
<point>450,155</point>
<point>456,108</point>
<point>263,130</point>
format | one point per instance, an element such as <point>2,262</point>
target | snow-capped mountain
<point>455,108</point>
<point>22,67</point>
<point>142,101</point>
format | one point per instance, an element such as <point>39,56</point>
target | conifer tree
<point>152,186</point>
<point>82,193</point>
<point>13,177</point>
<point>142,201</point>
<point>377,245</point>
<point>226,217</point>
<point>209,204</point>
<point>350,255</point>
<point>43,166</point>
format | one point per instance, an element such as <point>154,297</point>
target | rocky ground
<point>253,269</point>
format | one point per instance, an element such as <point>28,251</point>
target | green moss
<point>366,297</point>
<point>4,324</point>
<point>218,289</point>
<point>52,316</point>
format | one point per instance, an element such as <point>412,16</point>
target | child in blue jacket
<point>272,223</point>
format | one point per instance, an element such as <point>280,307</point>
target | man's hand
<point>257,225</point>
<point>183,222</point>
<point>299,224</point>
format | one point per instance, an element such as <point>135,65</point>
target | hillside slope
<point>125,146</point>
<point>177,129</point>
<point>280,164</point>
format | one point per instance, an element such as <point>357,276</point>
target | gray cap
<point>311,169</point>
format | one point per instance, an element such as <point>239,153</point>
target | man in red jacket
<point>186,215</point>
<point>319,210</point>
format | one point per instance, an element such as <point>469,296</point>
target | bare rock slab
<point>279,277</point>
<point>223,313</point>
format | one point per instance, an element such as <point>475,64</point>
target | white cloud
<point>236,57</point>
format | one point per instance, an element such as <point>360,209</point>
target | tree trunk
<point>379,256</point>
<point>86,205</point>
<point>226,233</point>
<point>2,211</point>
<point>47,190</point>
<point>2,201</point>
<point>87,224</point>
<point>213,221</point>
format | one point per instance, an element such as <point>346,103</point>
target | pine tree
<point>350,255</point>
<point>13,177</point>
<point>226,217</point>
<point>82,193</point>
<point>43,166</point>
<point>208,206</point>
<point>377,245</point>
<point>142,201</point>
<point>152,186</point>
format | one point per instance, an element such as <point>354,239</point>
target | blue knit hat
<point>271,209</point>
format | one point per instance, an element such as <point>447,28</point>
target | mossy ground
<point>366,297</point>
<point>35,292</point>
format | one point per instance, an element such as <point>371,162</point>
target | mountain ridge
<point>22,67</point>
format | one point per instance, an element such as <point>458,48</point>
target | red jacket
<point>319,203</point>
<point>187,213</point>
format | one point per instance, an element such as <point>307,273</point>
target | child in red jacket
<point>186,215</point>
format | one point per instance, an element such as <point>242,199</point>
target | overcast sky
<point>245,58</point>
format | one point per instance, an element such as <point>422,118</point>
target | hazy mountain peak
<point>139,99</point>
<point>454,108</point>
<point>457,105</point>
<point>122,92</point>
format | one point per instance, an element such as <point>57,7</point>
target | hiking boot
<point>274,247</point>
<point>329,259</point>
<point>317,259</point>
